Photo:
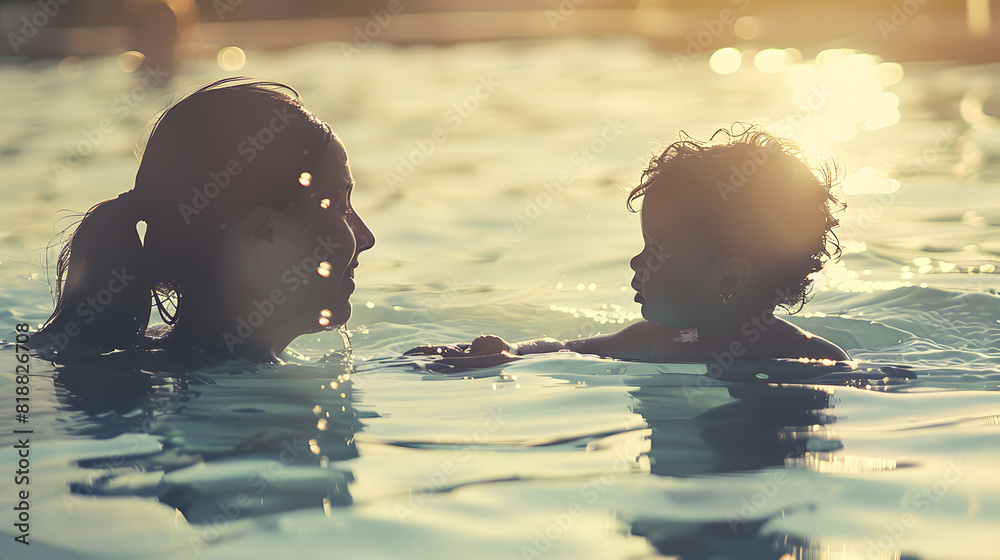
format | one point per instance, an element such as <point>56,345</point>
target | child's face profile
<point>673,271</point>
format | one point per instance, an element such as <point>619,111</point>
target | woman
<point>250,232</point>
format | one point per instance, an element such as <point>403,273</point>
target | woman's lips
<point>347,281</point>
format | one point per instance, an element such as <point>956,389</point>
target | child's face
<point>674,270</point>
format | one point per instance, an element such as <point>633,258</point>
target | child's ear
<point>737,277</point>
<point>257,227</point>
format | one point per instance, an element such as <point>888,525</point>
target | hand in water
<point>439,350</point>
<point>485,351</point>
<point>490,344</point>
<point>481,346</point>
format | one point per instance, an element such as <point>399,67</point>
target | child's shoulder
<point>653,342</point>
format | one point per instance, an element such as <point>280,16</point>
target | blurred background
<point>897,29</point>
<point>492,144</point>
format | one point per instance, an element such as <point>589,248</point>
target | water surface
<point>558,456</point>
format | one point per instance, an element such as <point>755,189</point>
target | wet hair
<point>222,150</point>
<point>752,194</point>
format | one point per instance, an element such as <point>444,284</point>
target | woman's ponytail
<point>103,284</point>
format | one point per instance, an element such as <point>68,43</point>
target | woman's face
<point>673,270</point>
<point>333,238</point>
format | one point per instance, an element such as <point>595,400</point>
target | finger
<point>482,361</point>
<point>489,344</point>
<point>421,350</point>
<point>435,351</point>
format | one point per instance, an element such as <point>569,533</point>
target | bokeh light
<point>834,96</point>
<point>725,60</point>
<point>130,61</point>
<point>231,59</point>
<point>889,73</point>
<point>771,61</point>
<point>747,27</point>
<point>70,68</point>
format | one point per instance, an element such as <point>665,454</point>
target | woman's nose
<point>363,234</point>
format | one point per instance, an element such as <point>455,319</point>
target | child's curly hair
<point>756,196</point>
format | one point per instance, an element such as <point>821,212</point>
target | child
<point>731,231</point>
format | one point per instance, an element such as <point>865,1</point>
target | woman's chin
<point>335,316</point>
<point>324,319</point>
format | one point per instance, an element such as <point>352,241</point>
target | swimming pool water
<point>515,224</point>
